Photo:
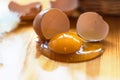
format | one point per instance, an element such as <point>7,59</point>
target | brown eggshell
<point>92,27</point>
<point>67,6</point>
<point>26,12</point>
<point>50,22</point>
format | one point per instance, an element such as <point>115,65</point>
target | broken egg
<point>50,22</point>
<point>65,43</point>
<point>58,43</point>
<point>87,50</point>
<point>92,27</point>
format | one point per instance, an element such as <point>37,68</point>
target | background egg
<point>92,27</point>
<point>67,6</point>
<point>26,12</point>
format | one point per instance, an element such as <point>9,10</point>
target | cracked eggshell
<point>26,12</point>
<point>92,27</point>
<point>50,22</point>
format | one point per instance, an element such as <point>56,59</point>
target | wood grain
<point>28,65</point>
<point>105,67</point>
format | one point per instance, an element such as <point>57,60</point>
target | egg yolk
<point>65,43</point>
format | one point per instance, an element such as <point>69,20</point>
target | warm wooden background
<point>20,62</point>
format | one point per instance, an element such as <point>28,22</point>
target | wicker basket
<point>110,7</point>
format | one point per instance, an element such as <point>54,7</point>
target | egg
<point>92,27</point>
<point>67,6</point>
<point>65,43</point>
<point>50,22</point>
<point>26,12</point>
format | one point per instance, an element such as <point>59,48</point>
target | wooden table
<point>20,61</point>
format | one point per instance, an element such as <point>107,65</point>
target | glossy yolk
<point>65,43</point>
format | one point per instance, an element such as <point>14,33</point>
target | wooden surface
<point>19,59</point>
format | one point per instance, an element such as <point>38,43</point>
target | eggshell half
<point>92,27</point>
<point>50,22</point>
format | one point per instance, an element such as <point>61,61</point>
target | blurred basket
<point>109,7</point>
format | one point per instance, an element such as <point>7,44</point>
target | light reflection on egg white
<point>81,51</point>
